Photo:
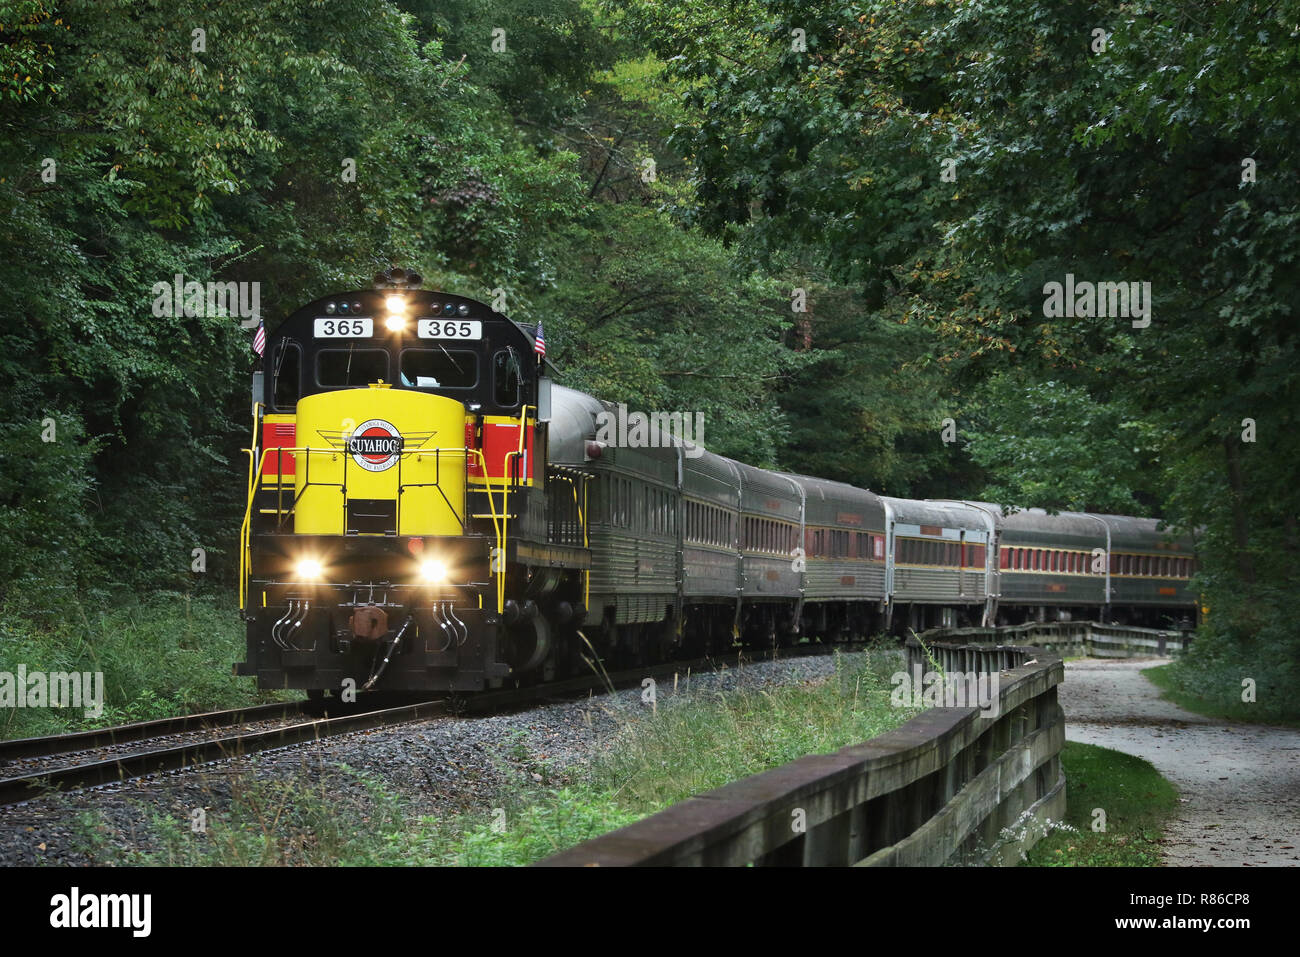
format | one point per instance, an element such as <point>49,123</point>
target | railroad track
<point>79,760</point>
<point>156,754</point>
<point>19,748</point>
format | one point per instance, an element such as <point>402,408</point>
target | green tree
<point>653,315</point>
<point>955,158</point>
<point>215,141</point>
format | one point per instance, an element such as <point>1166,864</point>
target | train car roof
<point>573,424</point>
<point>1079,524</point>
<point>827,489</point>
<point>952,514</point>
<point>573,417</point>
<point>1130,532</point>
<point>1126,531</point>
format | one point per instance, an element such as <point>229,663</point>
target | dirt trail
<point>1239,784</point>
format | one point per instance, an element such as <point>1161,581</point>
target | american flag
<point>539,341</point>
<point>259,338</point>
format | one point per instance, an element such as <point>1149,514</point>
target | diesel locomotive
<point>428,510</point>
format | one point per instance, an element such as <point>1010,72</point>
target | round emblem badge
<point>375,445</point>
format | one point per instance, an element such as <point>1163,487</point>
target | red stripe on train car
<point>278,435</point>
<point>499,440</point>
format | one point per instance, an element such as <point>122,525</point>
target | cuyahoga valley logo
<point>375,444</point>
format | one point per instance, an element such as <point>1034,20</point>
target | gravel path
<point>435,766</point>
<point>1239,783</point>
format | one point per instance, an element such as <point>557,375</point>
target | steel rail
<point>162,727</point>
<point>193,753</point>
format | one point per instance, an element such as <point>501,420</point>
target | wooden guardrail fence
<point>1067,638</point>
<point>954,785</point>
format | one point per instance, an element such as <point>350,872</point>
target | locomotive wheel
<point>314,706</point>
<point>529,644</point>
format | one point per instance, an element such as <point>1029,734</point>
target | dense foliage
<point>826,225</point>
<point>952,159</point>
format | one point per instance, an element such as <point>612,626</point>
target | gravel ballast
<point>435,766</point>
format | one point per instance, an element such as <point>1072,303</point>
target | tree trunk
<point>1240,520</point>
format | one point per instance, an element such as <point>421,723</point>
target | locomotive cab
<point>397,449</point>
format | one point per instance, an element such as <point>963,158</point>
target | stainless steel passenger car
<point>767,556</point>
<point>938,554</point>
<point>1071,564</point>
<point>844,558</point>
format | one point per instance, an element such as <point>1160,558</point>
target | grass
<point>1136,802</point>
<point>1227,707</point>
<point>693,745</point>
<point>165,656</point>
<point>685,745</point>
<point>354,822</point>
<point>688,745</point>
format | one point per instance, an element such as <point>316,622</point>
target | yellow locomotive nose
<point>380,461</point>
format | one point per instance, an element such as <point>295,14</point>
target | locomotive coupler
<point>388,654</point>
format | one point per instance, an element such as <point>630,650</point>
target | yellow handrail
<point>500,522</point>
<point>582,523</point>
<point>523,427</point>
<point>244,527</point>
<point>252,482</point>
<point>505,502</point>
<point>586,543</point>
<point>499,525</point>
<point>257,408</point>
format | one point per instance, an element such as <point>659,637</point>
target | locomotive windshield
<point>439,368</point>
<point>347,367</point>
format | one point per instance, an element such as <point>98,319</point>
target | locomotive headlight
<point>396,306</point>
<point>309,568</point>
<point>432,570</point>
